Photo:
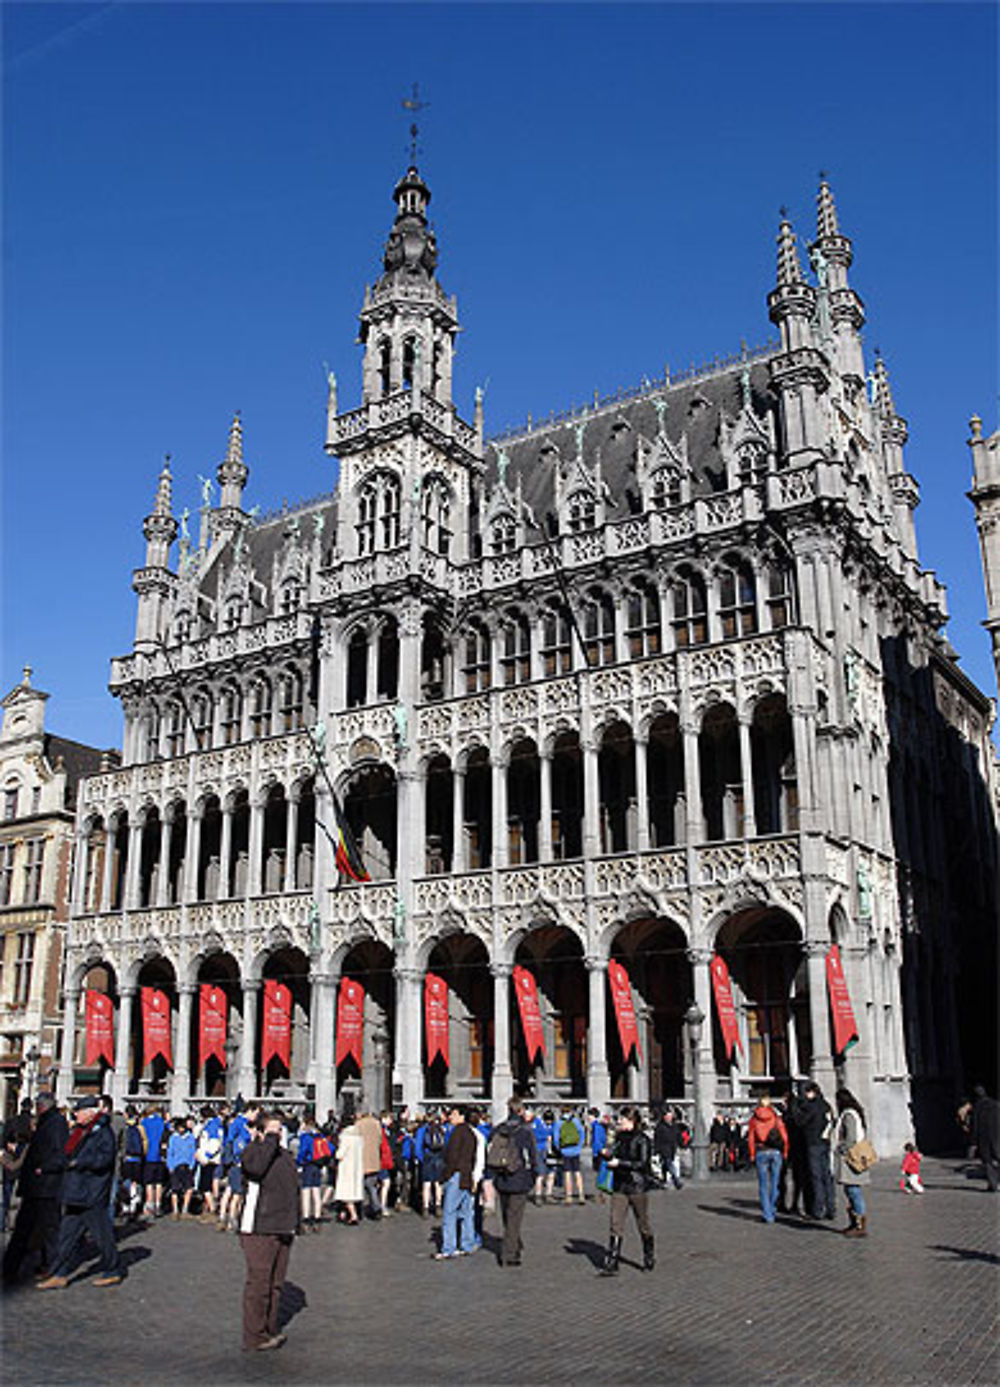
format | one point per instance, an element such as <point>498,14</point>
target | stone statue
<point>745,386</point>
<point>239,547</point>
<point>185,532</point>
<point>318,734</point>
<point>872,387</point>
<point>319,521</point>
<point>253,512</point>
<point>400,720</point>
<point>820,266</point>
<point>398,921</point>
<point>851,679</point>
<point>315,935</point>
<point>292,528</point>
<point>503,462</point>
<point>206,490</point>
<point>864,892</point>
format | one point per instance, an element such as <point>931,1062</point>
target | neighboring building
<point>985,497</point>
<point>39,776</point>
<point>747,738</point>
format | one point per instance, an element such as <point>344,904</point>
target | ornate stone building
<point>985,497</point>
<point>658,680</point>
<point>39,776</point>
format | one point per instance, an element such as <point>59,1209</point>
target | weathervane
<point>414,104</point>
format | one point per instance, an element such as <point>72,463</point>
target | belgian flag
<point>346,853</point>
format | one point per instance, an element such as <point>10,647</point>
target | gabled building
<point>660,683</point>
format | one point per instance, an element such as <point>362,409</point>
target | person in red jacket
<point>767,1139</point>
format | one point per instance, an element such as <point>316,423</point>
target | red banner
<point>212,1023</point>
<point>350,1021</point>
<point>276,1036</point>
<point>723,990</point>
<point>100,1022</point>
<point>436,1017</point>
<point>156,1026</point>
<point>845,1029</point>
<point>531,1017</point>
<point>621,996</point>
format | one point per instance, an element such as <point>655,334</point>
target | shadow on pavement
<point>585,1247</point>
<point>743,1206</point>
<point>966,1254</point>
<point>293,1299</point>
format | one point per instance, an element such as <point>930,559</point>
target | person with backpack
<point>767,1139</point>
<point>510,1159</point>
<point>133,1160</point>
<point>570,1141</point>
<point>310,1174</point>
<point>628,1160</point>
<point>208,1158</point>
<point>546,1159</point>
<point>237,1138</point>
<point>154,1172</point>
<point>432,1138</point>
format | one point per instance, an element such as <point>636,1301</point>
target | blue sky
<point>195,196</point>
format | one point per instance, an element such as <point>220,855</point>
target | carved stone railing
<point>199,655</point>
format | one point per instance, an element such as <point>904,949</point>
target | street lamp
<point>695,1018</point>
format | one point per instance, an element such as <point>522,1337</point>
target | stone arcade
<point>749,737</point>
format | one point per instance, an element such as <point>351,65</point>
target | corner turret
<point>800,372</point>
<point>831,254</point>
<point>154,583</point>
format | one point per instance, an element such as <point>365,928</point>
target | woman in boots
<point>850,1129</point>
<point>628,1162</point>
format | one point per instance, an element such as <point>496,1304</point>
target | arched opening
<point>409,362</point>
<point>370,963</point>
<point>654,955</point>
<point>476,657</point>
<point>643,621</point>
<point>89,1078</point>
<point>554,955</point>
<point>357,668</point>
<point>665,778</point>
<point>305,836</point>
<point>202,710</point>
<point>599,628</point>
<point>148,1072</point>
<point>231,714</point>
<point>387,680</point>
<point>384,366</point>
<point>567,796</point>
<point>237,870</point>
<point>478,810</point>
<point>210,850</point>
<point>737,598</point>
<point>523,802</point>
<point>767,966</point>
<point>212,1077</point>
<point>775,784</point>
<point>370,806</point>
<point>97,846</point>
<point>462,962</point>
<point>515,648</point>
<point>149,858</point>
<point>274,841</point>
<point>260,708</point>
<point>290,967</point>
<point>291,707</point>
<point>176,816</point>
<point>721,773</point>
<point>690,609</point>
<point>433,661</point>
<point>119,858</point>
<point>438,816</point>
<point>616,778</point>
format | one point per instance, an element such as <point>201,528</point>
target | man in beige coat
<point>370,1130</point>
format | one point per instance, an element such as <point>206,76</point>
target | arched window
<point>515,647</point>
<point>378,513</point>
<point>234,613</point>
<point>151,734</point>
<point>201,714</point>
<point>291,596</point>
<point>779,596</point>
<point>175,729</point>
<point>690,608</point>
<point>737,599</point>
<point>357,668</point>
<point>409,362</point>
<point>665,488</point>
<point>290,701</point>
<point>384,365</point>
<point>599,629</point>
<point>436,512</point>
<point>503,535</point>
<point>476,664</point>
<point>643,630</point>
<point>230,714</point>
<point>557,655</point>
<point>182,626</point>
<point>260,708</point>
<point>582,511</point>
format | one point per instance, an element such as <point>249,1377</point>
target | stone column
<point>641,751</point>
<point>692,783</point>
<point>822,1058</point>
<point>255,847</point>
<point>503,1074</point>
<point>545,806</point>
<point>104,899</point>
<point>192,852</point>
<point>701,979</point>
<point>371,666</point>
<point>291,839</point>
<point>123,1045</point>
<point>458,855</point>
<point>591,799</point>
<point>409,1036</point>
<point>180,1083</point>
<point>225,853</point>
<point>598,1074</point>
<point>746,773</point>
<point>64,1083</point>
<point>80,866</point>
<point>248,1044</point>
<point>163,874</point>
<point>324,987</point>
<point>133,867</point>
<point>498,782</point>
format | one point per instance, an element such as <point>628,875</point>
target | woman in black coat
<point>628,1161</point>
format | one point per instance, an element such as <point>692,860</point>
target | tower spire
<point>163,503</point>
<point>153,583</point>
<point>832,254</point>
<point>233,472</point>
<point>884,403</point>
<point>826,211</point>
<point>789,269</point>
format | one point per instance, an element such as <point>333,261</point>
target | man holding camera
<point>267,1226</point>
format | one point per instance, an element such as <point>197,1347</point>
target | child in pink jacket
<point>909,1181</point>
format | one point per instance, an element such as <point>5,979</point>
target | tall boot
<point>612,1257</point>
<point>648,1253</point>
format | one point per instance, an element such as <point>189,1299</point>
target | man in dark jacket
<point>514,1183</point>
<point>813,1117</point>
<point>456,1203</point>
<point>985,1133</point>
<point>91,1154</point>
<point>267,1226</point>
<point>666,1136</point>
<point>40,1186</point>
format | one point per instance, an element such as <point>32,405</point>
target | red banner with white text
<point>723,989</point>
<point>845,1029</point>
<point>436,1018</point>
<point>212,1024</point>
<point>276,1037</point>
<point>531,1017</point>
<point>350,1021</point>
<point>621,996</point>
<point>100,1014</point>
<point>156,1026</point>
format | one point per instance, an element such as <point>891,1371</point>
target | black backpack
<point>434,1141</point>
<point>503,1153</point>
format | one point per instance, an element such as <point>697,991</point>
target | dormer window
<point>666,488</point>
<point>182,627</point>
<point>503,535</point>
<point>234,613</point>
<point>291,596</point>
<point>751,462</point>
<point>582,512</point>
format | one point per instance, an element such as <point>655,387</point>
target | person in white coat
<point>350,1187</point>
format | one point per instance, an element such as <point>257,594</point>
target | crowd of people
<point>270,1177</point>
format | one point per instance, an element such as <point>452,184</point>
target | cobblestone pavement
<point>732,1300</point>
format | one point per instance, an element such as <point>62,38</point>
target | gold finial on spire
<point>414,105</point>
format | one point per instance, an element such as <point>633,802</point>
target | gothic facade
<point>656,681</point>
